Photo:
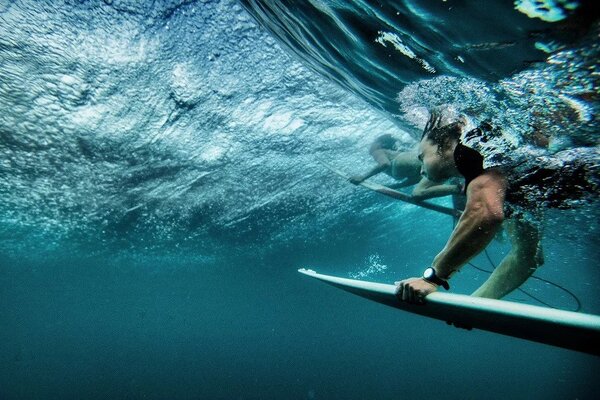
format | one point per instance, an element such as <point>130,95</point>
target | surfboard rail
<point>567,329</point>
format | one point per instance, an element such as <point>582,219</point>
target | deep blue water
<point>161,186</point>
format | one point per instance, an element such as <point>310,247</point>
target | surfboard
<point>566,329</point>
<point>395,194</point>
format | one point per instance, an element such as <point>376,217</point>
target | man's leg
<point>518,265</point>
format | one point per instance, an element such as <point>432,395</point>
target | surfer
<point>503,181</point>
<point>405,167</point>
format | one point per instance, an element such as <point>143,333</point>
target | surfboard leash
<point>526,293</point>
<point>571,294</point>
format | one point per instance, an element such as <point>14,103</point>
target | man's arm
<point>427,189</point>
<point>475,229</point>
<point>478,224</point>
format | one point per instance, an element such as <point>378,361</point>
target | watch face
<point>429,272</point>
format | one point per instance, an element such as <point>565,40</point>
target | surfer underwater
<point>404,167</point>
<point>504,183</point>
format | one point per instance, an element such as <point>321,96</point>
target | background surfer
<point>405,167</point>
<point>500,182</point>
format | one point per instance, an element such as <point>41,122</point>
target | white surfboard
<point>567,329</point>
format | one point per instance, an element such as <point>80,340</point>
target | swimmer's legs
<point>518,265</point>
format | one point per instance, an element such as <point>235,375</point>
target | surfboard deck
<point>566,329</point>
<point>395,194</point>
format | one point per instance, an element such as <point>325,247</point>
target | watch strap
<point>433,278</point>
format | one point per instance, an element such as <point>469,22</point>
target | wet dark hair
<point>444,135</point>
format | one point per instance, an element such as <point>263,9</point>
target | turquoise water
<point>161,186</point>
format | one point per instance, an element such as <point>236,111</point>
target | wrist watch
<point>430,276</point>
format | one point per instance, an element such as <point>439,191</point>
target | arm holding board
<point>566,329</point>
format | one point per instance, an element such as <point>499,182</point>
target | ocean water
<point>161,184</point>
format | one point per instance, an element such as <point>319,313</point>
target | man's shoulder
<point>489,178</point>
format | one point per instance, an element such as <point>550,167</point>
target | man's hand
<point>356,179</point>
<point>414,290</point>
